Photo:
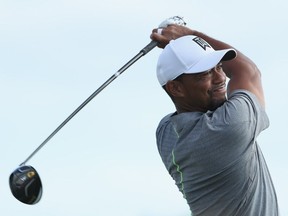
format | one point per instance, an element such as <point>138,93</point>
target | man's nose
<point>218,76</point>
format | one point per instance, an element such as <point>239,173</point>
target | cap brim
<point>211,60</point>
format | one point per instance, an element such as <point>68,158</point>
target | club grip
<point>172,20</point>
<point>149,47</point>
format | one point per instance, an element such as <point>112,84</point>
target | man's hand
<point>171,32</point>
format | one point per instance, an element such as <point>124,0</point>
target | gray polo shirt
<point>216,161</point>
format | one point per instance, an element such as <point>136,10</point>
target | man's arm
<point>242,71</point>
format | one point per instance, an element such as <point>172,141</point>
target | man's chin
<point>217,104</point>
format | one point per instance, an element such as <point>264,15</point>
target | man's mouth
<point>218,89</point>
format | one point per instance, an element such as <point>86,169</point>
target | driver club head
<point>25,185</point>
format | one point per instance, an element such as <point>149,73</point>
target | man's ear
<point>175,88</point>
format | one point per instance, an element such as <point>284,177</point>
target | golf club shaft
<point>143,52</point>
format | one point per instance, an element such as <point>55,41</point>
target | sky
<point>54,54</point>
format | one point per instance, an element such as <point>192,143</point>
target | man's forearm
<point>229,66</point>
<point>216,44</point>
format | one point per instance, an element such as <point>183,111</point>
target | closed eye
<point>218,66</point>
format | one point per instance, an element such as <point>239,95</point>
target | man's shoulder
<point>166,119</point>
<point>244,95</point>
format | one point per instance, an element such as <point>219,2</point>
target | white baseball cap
<point>188,55</point>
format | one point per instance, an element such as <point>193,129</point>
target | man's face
<point>203,91</point>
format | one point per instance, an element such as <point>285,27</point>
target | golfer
<point>209,144</point>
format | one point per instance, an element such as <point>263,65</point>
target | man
<point>209,145</point>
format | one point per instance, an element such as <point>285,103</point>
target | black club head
<point>25,185</point>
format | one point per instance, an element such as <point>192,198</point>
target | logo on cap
<point>202,43</point>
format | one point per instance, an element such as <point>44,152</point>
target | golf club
<point>25,183</point>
